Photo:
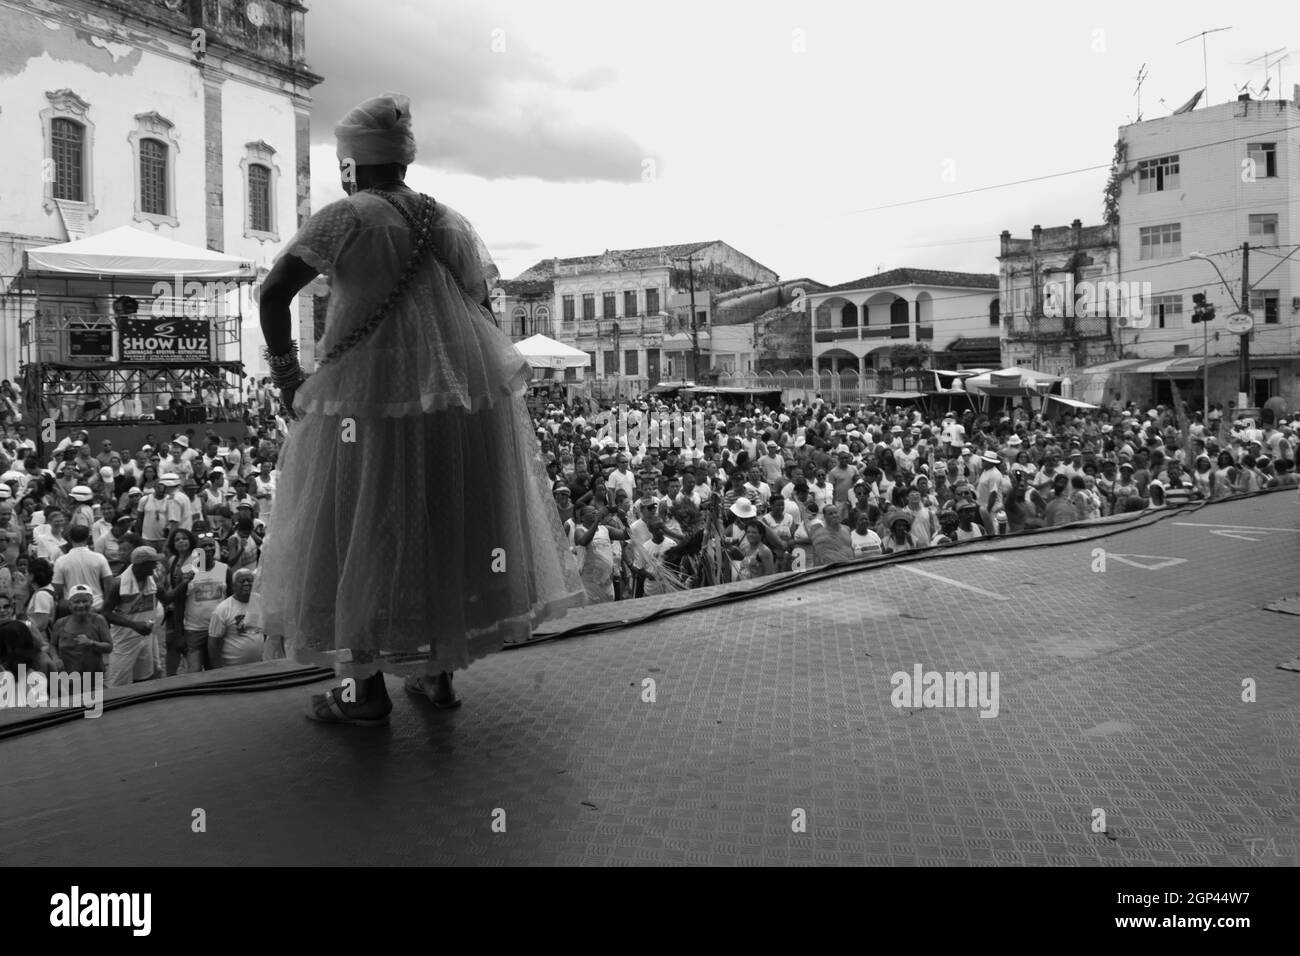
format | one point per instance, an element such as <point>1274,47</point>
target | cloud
<point>592,80</point>
<point>483,103</point>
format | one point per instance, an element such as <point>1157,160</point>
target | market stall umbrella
<point>1012,382</point>
<point>544,352</point>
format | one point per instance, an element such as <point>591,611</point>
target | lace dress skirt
<point>414,527</point>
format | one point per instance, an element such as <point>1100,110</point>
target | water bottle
<point>1000,518</point>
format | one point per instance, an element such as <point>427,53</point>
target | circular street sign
<point>1239,323</point>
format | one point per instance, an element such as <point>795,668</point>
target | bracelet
<point>284,366</point>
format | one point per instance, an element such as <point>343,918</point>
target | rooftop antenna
<point>1278,63</point>
<point>1141,77</point>
<point>1205,68</point>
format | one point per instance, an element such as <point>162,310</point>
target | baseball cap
<point>81,493</point>
<point>561,488</point>
<point>144,554</point>
<point>182,440</point>
<point>170,480</point>
<point>133,491</point>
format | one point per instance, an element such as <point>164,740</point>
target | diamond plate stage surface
<point>1119,690</point>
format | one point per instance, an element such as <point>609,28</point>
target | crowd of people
<point>134,563</point>
<point>140,564</point>
<point>761,490</point>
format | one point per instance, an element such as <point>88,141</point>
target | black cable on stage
<point>252,682</point>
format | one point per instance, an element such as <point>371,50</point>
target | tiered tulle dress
<point>414,527</point>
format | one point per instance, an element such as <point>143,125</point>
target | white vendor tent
<point>1011,382</point>
<point>544,352</point>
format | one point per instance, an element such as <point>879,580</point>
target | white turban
<point>377,132</point>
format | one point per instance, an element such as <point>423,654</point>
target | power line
<point>1070,172</point>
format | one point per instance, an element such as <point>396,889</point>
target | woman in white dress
<point>414,526</point>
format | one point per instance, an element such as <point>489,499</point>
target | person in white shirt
<point>105,522</point>
<point>163,511</point>
<point>863,540</point>
<point>231,640</point>
<point>649,563</point>
<point>756,489</point>
<point>174,464</point>
<point>786,526</point>
<point>621,477</point>
<point>81,565</point>
<point>821,489</point>
<point>992,479</point>
<point>954,434</point>
<point>47,534</point>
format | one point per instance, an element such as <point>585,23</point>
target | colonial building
<point>1049,322</point>
<point>905,319</point>
<point>186,118</point>
<point>631,309</point>
<point>1192,189</point>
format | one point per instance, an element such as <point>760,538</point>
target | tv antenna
<point>1205,68</point>
<point>1141,78</point>
<point>1277,63</point>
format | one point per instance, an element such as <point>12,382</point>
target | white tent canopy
<point>544,352</point>
<point>130,252</point>
<point>1011,381</point>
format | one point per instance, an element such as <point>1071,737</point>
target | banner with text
<point>172,341</point>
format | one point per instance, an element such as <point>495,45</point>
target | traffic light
<point>1201,311</point>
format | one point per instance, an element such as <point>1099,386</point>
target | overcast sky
<point>566,127</point>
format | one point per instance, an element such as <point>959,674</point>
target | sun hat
<point>744,508</point>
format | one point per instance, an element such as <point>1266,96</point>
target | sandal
<point>415,687</point>
<point>326,709</point>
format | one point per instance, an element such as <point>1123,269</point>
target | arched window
<point>849,316</point>
<point>153,177</point>
<point>995,312</point>
<point>517,321</point>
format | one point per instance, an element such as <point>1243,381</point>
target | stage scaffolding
<point>84,390</point>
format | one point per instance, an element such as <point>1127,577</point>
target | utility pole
<point>695,330</point>
<point>1243,379</point>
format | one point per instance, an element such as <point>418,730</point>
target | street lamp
<point>1203,257</point>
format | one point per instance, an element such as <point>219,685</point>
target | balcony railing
<point>856,333</point>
